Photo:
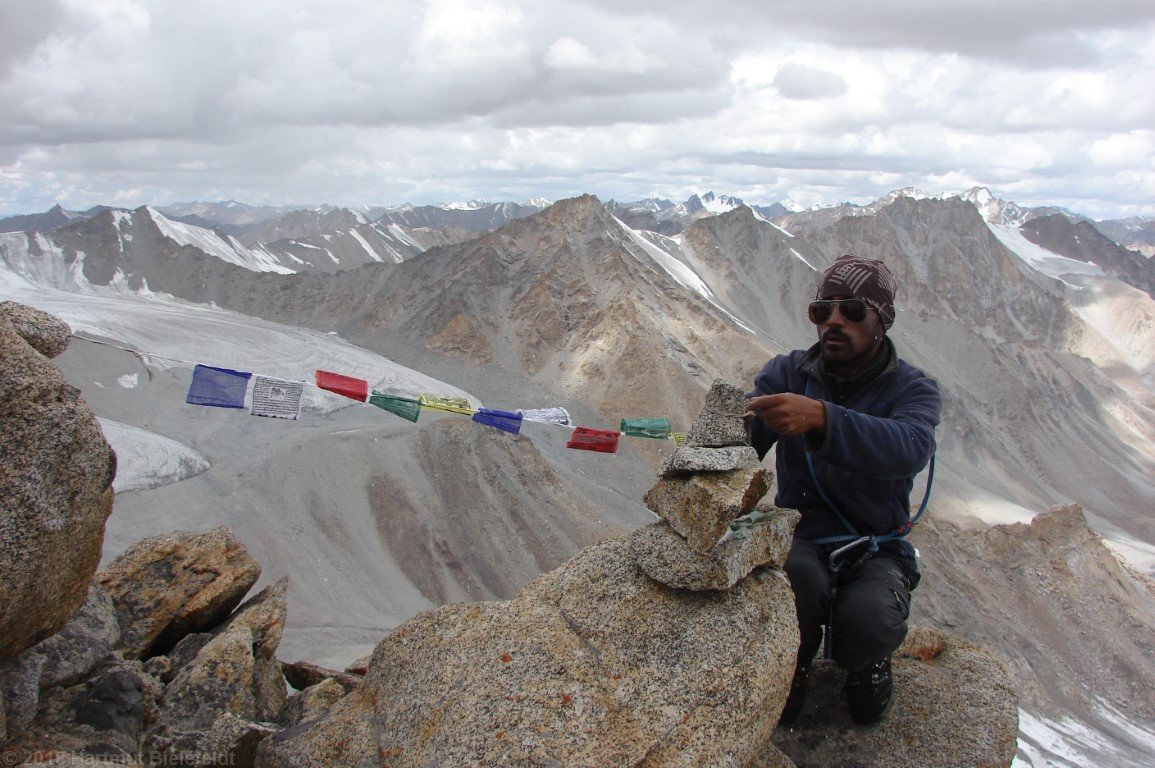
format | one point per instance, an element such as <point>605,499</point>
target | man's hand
<point>788,414</point>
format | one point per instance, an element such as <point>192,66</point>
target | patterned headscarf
<point>867,279</point>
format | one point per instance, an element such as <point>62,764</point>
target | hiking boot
<point>793,707</point>
<point>869,692</point>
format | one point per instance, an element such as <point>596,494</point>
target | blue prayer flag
<point>218,387</point>
<point>510,422</point>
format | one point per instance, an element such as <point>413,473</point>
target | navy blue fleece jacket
<point>876,441</point>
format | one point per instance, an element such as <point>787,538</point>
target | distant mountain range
<point>304,227</point>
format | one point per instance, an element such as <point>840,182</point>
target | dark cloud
<point>24,26</point>
<point>1028,33</point>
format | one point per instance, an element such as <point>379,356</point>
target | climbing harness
<point>852,540</point>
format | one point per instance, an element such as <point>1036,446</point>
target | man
<point>854,424</point>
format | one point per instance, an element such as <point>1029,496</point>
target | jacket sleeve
<point>891,447</point>
<point>771,380</point>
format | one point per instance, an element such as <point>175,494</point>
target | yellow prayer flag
<point>450,404</point>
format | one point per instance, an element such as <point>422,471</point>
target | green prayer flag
<point>657,428</point>
<point>405,407</point>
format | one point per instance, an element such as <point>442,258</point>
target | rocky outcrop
<point>303,675</point>
<point>591,664</point>
<point>233,669</point>
<point>954,705</point>
<point>165,587</point>
<point>61,660</point>
<point>1059,607</point>
<point>217,693</point>
<point>56,472</point>
<point>45,333</point>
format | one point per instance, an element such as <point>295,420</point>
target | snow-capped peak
<point>719,203</point>
<point>913,193</point>
<point>472,205</point>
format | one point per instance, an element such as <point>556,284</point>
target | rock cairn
<point>712,481</point>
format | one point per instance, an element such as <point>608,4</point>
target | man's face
<point>847,347</point>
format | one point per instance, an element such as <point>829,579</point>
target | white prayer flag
<point>555,415</point>
<point>278,398</point>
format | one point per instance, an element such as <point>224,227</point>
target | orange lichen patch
<point>506,658</point>
<point>926,652</point>
<point>385,754</point>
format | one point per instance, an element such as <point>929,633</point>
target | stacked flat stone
<point>709,482</point>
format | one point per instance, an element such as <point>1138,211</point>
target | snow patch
<point>472,205</point>
<point>365,244</point>
<point>1039,258</point>
<point>1066,740</point>
<point>48,267</point>
<point>803,259</point>
<point>400,233</point>
<point>682,274</point>
<point>147,460</point>
<point>210,242</point>
<point>129,380</point>
<point>760,217</point>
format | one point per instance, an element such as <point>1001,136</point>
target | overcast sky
<point>378,102</point>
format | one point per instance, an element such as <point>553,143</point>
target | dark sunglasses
<point>854,310</point>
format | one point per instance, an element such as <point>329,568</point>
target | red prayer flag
<point>587,439</point>
<point>356,389</point>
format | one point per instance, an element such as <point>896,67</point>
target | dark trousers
<point>871,603</point>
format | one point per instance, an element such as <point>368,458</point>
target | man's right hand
<point>788,413</point>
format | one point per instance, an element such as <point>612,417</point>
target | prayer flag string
<point>281,398</point>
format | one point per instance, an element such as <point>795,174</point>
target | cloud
<point>1028,33</point>
<point>349,101</point>
<point>798,81</point>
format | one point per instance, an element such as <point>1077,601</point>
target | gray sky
<point>355,102</point>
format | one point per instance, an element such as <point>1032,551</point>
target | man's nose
<point>836,316</point>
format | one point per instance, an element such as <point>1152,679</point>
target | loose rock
<point>165,587</point>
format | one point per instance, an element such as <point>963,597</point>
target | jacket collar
<point>812,365</point>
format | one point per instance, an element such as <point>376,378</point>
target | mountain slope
<point>1080,240</point>
<point>567,298</point>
